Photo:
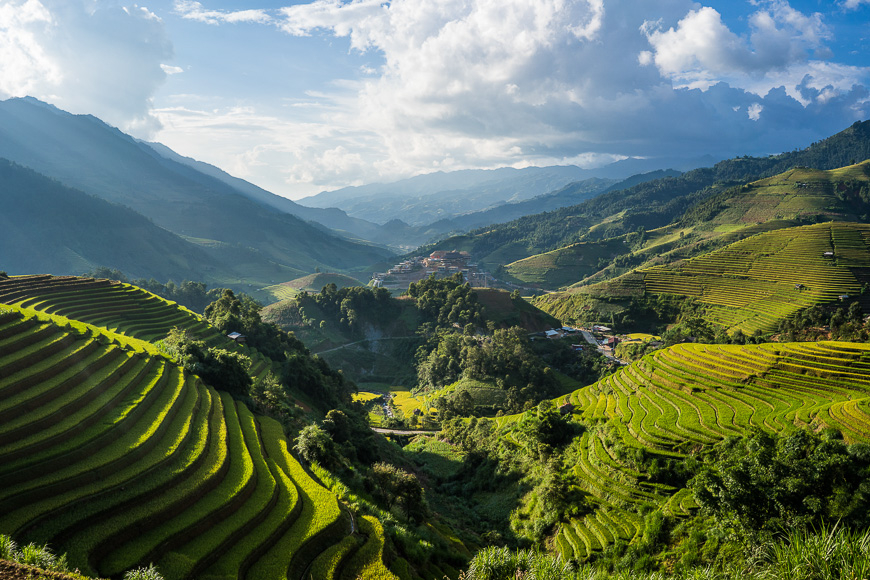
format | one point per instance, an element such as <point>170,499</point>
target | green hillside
<point>112,453</point>
<point>309,283</point>
<point>641,424</point>
<point>796,197</point>
<point>651,205</point>
<point>750,285</point>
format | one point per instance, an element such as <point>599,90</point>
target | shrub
<point>7,548</point>
<point>42,557</point>
<point>149,573</point>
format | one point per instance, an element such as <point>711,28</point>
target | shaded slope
<point>46,227</point>
<point>83,152</point>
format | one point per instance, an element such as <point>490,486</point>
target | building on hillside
<point>566,409</point>
<point>237,337</point>
<point>828,254</point>
<point>552,333</point>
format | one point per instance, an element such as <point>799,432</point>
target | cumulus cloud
<point>854,4</point>
<point>84,57</point>
<point>785,47</point>
<point>195,11</point>
<point>455,84</point>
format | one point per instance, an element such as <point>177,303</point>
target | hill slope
<point>46,227</point>
<point>648,205</point>
<point>114,455</point>
<point>83,152</point>
<point>798,196</point>
<point>750,285</point>
<point>640,426</point>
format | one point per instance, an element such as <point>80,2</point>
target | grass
<point>109,450</point>
<point>368,562</point>
<point>689,396</point>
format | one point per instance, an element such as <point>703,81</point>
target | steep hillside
<point>750,285</point>
<point>47,227</point>
<point>649,205</point>
<point>633,440</point>
<point>795,197</point>
<point>114,455</point>
<point>85,153</point>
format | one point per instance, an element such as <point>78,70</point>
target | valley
<point>331,408</point>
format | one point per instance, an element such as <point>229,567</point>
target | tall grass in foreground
<point>827,554</point>
<point>42,557</point>
<point>830,554</point>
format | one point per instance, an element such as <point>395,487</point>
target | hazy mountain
<point>649,205</point>
<point>85,153</point>
<point>46,227</point>
<point>331,217</point>
<point>426,199</point>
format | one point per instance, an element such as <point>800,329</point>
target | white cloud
<point>193,10</point>
<point>854,4</point>
<point>488,83</point>
<point>84,57</point>
<point>784,48</point>
<point>24,64</point>
<point>171,70</point>
<point>754,111</point>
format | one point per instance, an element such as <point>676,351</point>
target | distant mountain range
<point>444,199</point>
<point>248,241</point>
<point>591,240</point>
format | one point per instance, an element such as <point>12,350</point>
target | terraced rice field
<point>754,283</point>
<point>119,458</point>
<point>118,308</point>
<point>680,399</point>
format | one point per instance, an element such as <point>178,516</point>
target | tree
<point>795,480</point>
<point>398,487</point>
<point>315,445</point>
<point>219,368</point>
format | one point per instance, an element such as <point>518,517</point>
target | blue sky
<point>306,96</point>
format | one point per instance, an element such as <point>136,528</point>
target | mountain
<point>330,217</point>
<point>648,205</point>
<point>425,199</point>
<point>47,227</point>
<point>85,153</point>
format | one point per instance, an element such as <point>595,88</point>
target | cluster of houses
<point>441,263</point>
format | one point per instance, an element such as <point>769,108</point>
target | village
<point>440,263</point>
<point>601,337</point>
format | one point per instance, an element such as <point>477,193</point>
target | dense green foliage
<point>218,367</point>
<point>767,483</point>
<point>447,301</point>
<point>353,307</point>
<point>505,358</point>
<point>829,553</point>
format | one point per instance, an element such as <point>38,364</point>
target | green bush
<point>149,573</point>
<point>7,547</point>
<point>42,557</point>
